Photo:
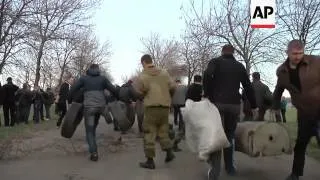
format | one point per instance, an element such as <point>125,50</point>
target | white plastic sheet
<point>204,130</point>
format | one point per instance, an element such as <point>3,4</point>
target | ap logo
<point>263,13</point>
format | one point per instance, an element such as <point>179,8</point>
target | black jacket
<point>37,97</point>
<point>63,93</point>
<point>94,86</point>
<point>77,96</point>
<point>48,98</point>
<point>24,97</point>
<point>194,92</point>
<point>222,78</point>
<point>2,95</point>
<point>9,91</point>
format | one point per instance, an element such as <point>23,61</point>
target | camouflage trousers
<point>156,124</point>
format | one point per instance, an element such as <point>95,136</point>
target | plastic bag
<point>204,130</point>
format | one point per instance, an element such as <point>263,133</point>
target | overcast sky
<point>124,22</point>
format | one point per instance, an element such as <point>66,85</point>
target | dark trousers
<point>261,113</point>
<point>62,108</point>
<point>9,110</point>
<point>24,112</point>
<point>307,128</point>
<point>48,107</point>
<point>140,114</point>
<point>177,113</point>
<point>283,113</point>
<point>91,116</point>
<point>230,116</point>
<point>37,112</point>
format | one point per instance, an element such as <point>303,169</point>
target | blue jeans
<point>92,116</point>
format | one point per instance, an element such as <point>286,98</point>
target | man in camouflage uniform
<point>157,88</point>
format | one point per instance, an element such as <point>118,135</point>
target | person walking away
<point>9,106</point>
<point>37,103</point>
<point>283,108</point>
<point>24,97</point>
<point>263,95</point>
<point>129,98</point>
<point>178,101</point>
<point>156,86</point>
<point>221,83</point>
<point>94,103</point>
<point>48,97</point>
<point>2,95</point>
<point>299,74</point>
<point>62,98</point>
<point>194,91</point>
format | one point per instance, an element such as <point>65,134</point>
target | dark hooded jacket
<point>93,85</point>
<point>24,97</point>
<point>9,91</point>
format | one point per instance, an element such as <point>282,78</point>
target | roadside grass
<point>313,149</point>
<point>25,130</point>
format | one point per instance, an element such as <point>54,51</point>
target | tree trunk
<point>50,80</point>
<point>248,67</point>
<point>1,66</point>
<point>262,139</point>
<point>61,75</point>
<point>38,68</point>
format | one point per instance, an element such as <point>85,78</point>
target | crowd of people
<point>17,103</point>
<point>156,92</point>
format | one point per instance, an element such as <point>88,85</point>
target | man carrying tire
<point>94,103</point>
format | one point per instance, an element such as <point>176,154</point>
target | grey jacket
<point>94,86</point>
<point>179,97</point>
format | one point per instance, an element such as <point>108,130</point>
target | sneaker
<point>94,157</point>
<point>149,164</point>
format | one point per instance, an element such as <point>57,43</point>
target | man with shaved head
<point>300,75</point>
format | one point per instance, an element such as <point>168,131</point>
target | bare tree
<point>53,20</point>
<point>228,21</point>
<point>89,51</point>
<point>301,19</point>
<point>165,53</point>
<point>61,54</point>
<point>12,30</point>
<point>189,58</point>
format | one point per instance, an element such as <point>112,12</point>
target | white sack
<point>204,130</point>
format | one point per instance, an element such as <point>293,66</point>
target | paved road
<point>55,158</point>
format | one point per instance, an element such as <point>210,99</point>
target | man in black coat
<point>63,97</point>
<point>37,105</point>
<point>24,100</point>
<point>221,83</point>
<point>9,107</point>
<point>2,95</point>
<point>48,100</point>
